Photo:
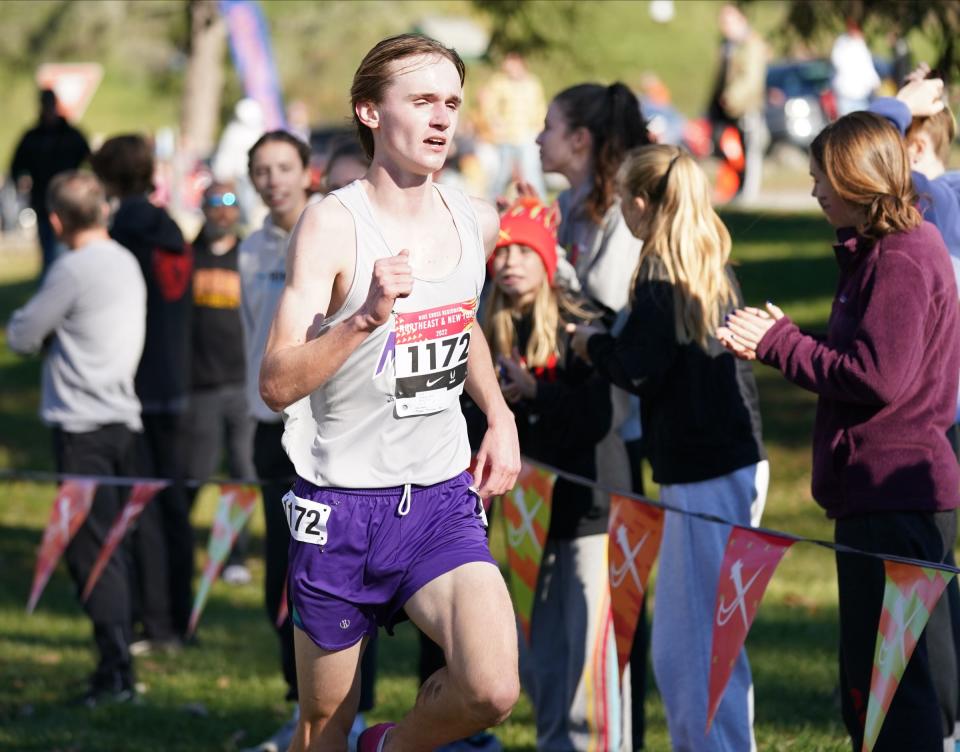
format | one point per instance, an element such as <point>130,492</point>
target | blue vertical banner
<point>253,57</point>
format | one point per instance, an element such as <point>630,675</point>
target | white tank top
<point>391,414</point>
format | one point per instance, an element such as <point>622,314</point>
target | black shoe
<point>96,697</point>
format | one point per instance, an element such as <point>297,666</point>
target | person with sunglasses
<point>218,403</point>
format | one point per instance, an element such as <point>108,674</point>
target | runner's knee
<point>323,726</point>
<point>491,698</point>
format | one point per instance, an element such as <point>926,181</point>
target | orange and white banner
<point>750,560</point>
<point>635,532</point>
<point>909,597</point>
<point>283,611</point>
<point>140,495</point>
<point>70,509</point>
<point>236,506</point>
<point>526,510</point>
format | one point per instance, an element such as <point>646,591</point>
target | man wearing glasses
<point>218,405</point>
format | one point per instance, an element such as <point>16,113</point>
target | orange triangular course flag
<point>635,532</point>
<point>526,510</point>
<point>70,509</point>
<point>140,495</point>
<point>909,597</point>
<point>748,564</point>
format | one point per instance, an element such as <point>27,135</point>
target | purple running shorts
<point>358,555</point>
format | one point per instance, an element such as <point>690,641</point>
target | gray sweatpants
<point>570,667</point>
<point>690,557</point>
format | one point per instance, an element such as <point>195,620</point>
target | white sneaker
<point>146,646</point>
<point>236,574</point>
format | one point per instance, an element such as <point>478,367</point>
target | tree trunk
<point>203,84</point>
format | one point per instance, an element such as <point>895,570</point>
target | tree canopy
<point>938,20</point>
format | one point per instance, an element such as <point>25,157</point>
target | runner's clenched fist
<point>392,278</point>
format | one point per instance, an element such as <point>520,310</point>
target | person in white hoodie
<point>279,170</point>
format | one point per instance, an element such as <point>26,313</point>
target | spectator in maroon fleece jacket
<point>886,378</point>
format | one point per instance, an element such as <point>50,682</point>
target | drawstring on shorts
<point>403,508</point>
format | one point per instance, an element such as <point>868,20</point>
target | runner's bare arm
<point>489,224</point>
<point>498,460</point>
<point>322,252</point>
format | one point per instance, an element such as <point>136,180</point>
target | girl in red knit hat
<point>563,412</point>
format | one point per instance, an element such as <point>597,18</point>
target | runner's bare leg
<point>466,611</point>
<point>329,687</point>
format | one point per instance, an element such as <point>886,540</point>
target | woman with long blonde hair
<point>563,412</point>
<point>885,376</point>
<point>701,422</point>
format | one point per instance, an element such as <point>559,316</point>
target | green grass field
<point>227,693</point>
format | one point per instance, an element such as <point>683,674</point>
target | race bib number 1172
<point>431,357</point>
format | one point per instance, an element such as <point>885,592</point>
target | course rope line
<point>39,476</point>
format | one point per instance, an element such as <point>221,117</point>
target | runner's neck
<point>398,193</point>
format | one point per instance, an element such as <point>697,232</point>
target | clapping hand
<point>745,327</point>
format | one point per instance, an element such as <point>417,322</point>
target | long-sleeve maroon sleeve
<point>885,345</point>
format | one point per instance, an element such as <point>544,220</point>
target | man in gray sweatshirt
<point>88,320</point>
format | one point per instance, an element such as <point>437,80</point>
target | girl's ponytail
<point>613,117</point>
<point>684,241</point>
<point>888,213</point>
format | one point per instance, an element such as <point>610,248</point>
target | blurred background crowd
<point>776,74</point>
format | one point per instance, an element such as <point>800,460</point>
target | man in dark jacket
<point>51,147</point>
<point>164,540</point>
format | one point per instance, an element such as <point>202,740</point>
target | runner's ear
<point>368,114</point>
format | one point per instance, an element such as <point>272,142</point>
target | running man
<point>373,342</point>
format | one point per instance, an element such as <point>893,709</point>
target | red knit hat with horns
<point>528,222</point>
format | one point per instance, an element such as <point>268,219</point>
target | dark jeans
<point>923,709</point>
<point>368,675</point>
<point>953,588</point>
<point>163,540</point>
<point>218,419</point>
<point>108,450</point>
<point>276,475</point>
